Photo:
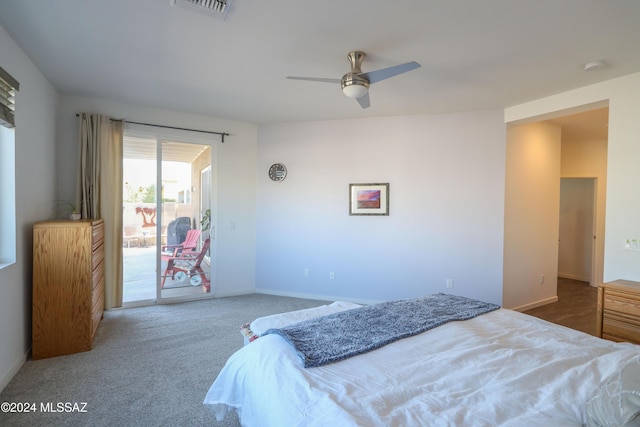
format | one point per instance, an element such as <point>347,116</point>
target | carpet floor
<point>150,366</point>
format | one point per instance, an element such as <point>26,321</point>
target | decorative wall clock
<point>277,172</point>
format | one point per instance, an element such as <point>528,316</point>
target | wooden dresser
<point>68,286</point>
<point>619,311</point>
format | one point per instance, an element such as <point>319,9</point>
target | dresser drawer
<point>622,302</point>
<point>97,235</point>
<point>98,289</point>
<point>620,328</point>
<point>97,256</point>
<point>97,274</point>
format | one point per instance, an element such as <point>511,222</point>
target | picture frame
<point>369,199</point>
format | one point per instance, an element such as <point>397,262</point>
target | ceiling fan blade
<point>364,100</point>
<point>315,79</point>
<point>385,73</point>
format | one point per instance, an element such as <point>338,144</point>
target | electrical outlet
<point>450,283</point>
<point>542,279</point>
<point>332,275</point>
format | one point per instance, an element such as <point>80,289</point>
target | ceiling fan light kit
<point>354,89</point>
<point>355,84</point>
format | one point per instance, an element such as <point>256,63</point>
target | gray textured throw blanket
<point>342,335</point>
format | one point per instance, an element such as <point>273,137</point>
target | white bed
<point>500,368</point>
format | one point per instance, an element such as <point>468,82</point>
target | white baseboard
<point>536,304</point>
<point>7,377</point>
<point>320,297</point>
<point>234,293</point>
<point>573,277</point>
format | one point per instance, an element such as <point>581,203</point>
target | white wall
<point>623,174</point>
<point>446,175</point>
<point>531,215</point>
<point>234,164</point>
<point>35,188</point>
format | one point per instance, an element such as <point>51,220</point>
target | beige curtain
<point>99,192</point>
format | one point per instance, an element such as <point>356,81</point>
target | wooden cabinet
<point>619,311</point>
<point>68,286</point>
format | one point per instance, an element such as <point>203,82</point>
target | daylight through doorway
<point>166,219</point>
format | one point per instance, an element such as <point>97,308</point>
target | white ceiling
<point>145,149</point>
<point>474,54</point>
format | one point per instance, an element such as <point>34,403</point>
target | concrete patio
<point>139,278</point>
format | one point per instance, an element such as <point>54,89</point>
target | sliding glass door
<point>185,265</point>
<point>167,204</point>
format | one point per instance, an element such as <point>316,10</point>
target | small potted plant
<point>65,209</point>
<point>75,215</point>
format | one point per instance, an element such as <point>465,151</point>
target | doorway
<point>166,218</point>
<point>538,155</point>
<point>576,249</point>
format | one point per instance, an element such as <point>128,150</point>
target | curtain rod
<point>222,134</point>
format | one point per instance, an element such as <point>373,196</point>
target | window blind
<point>8,88</point>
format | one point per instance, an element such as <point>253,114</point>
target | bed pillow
<point>618,402</point>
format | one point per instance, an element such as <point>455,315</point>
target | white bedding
<point>261,325</point>
<point>501,368</point>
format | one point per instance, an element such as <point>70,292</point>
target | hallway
<point>576,306</point>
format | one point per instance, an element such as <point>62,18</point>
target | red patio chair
<point>187,265</point>
<point>186,247</point>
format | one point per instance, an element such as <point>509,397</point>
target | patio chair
<point>188,266</point>
<point>186,247</point>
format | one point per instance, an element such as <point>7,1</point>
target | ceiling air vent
<point>217,8</point>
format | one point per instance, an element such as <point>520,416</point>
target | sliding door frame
<point>187,137</point>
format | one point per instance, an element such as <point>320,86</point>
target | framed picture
<point>369,199</point>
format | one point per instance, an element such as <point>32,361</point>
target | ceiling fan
<point>355,84</point>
